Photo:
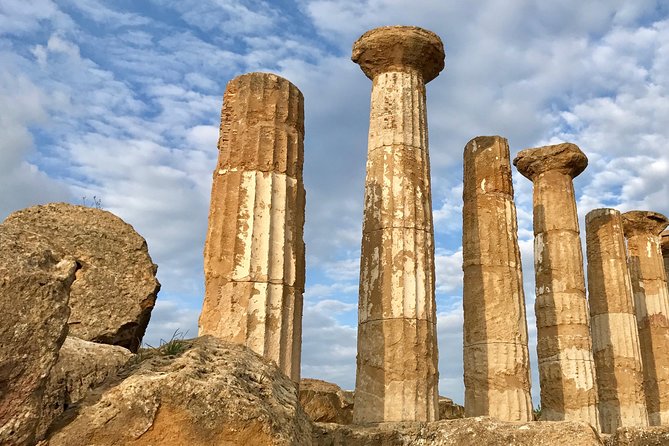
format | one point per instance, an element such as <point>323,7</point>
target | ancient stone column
<point>496,359</point>
<point>615,338</point>
<point>566,365</point>
<point>397,376</point>
<point>254,251</point>
<point>651,301</point>
<point>665,251</point>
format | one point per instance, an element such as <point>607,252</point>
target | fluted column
<point>496,359</point>
<point>615,338</point>
<point>397,377</point>
<point>651,301</point>
<point>564,350</point>
<point>254,251</point>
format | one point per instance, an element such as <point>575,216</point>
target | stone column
<point>254,251</point>
<point>496,359</point>
<point>397,376</point>
<point>615,338</point>
<point>665,251</point>
<point>651,301</point>
<point>566,365</point>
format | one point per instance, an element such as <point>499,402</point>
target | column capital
<point>396,48</point>
<point>644,222</point>
<point>566,158</point>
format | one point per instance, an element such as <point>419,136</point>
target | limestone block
<point>34,290</point>
<point>564,346</point>
<point>651,303</point>
<point>254,251</point>
<point>116,287</point>
<point>615,338</point>
<point>496,359</point>
<point>325,402</point>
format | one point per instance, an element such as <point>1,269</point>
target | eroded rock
<point>34,289</point>
<point>115,289</point>
<point>326,402</point>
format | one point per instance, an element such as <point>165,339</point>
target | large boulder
<point>34,289</point>
<point>465,431</point>
<point>212,393</point>
<point>326,402</point>
<point>115,289</point>
<point>448,410</point>
<point>81,367</point>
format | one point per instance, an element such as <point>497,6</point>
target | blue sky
<point>121,100</point>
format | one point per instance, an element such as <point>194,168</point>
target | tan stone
<point>397,375</point>
<point>651,301</point>
<point>116,287</point>
<point>564,350</point>
<point>325,402</point>
<point>254,251</point>
<point>34,288</point>
<point>615,338</point>
<point>81,367</point>
<point>496,358</point>
<point>448,410</point>
<point>214,393</point>
<point>640,436</point>
<point>665,251</point>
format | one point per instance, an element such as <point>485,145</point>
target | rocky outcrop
<point>448,410</point>
<point>326,402</point>
<point>115,288</point>
<point>81,366</point>
<point>466,431</point>
<point>34,289</point>
<point>640,436</point>
<point>212,393</point>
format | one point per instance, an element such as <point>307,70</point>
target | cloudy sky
<point>120,100</point>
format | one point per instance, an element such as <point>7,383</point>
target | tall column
<point>496,359</point>
<point>566,365</point>
<point>651,301</point>
<point>397,377</point>
<point>254,251</point>
<point>615,338</point>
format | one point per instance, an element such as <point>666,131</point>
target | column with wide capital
<point>254,250</point>
<point>651,301</point>
<point>397,377</point>
<point>564,348</point>
<point>615,336</point>
<point>496,359</point>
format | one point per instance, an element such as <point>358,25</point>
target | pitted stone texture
<point>496,359</point>
<point>116,287</point>
<point>448,410</point>
<point>325,402</point>
<point>254,251</point>
<point>564,350</point>
<point>651,301</point>
<point>615,335</point>
<point>399,48</point>
<point>397,378</point>
<point>34,288</point>
<point>213,394</point>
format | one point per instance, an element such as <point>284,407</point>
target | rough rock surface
<point>396,375</point>
<point>213,393</point>
<point>448,410</point>
<point>254,251</point>
<point>638,436</point>
<point>115,289</point>
<point>564,346</point>
<point>326,402</point>
<point>665,250</point>
<point>34,289</point>
<point>496,357</point>
<point>466,431</point>
<point>81,366</point>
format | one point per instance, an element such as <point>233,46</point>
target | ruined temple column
<point>566,365</point>
<point>651,301</point>
<point>397,376</point>
<point>496,359</point>
<point>615,338</point>
<point>254,251</point>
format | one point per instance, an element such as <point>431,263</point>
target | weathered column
<point>496,359</point>
<point>615,338</point>
<point>651,301</point>
<point>566,365</point>
<point>397,376</point>
<point>665,251</point>
<point>254,251</point>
